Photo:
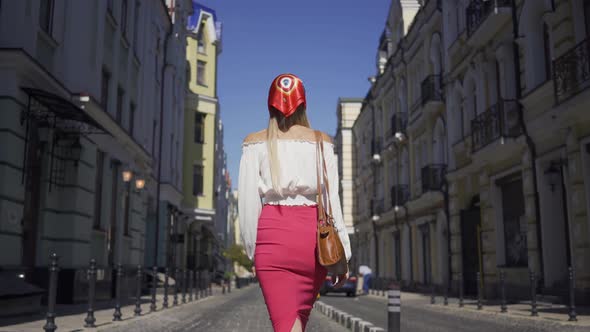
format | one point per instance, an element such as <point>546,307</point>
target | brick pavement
<point>243,310</point>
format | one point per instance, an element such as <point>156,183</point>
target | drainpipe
<point>164,66</point>
<point>529,141</point>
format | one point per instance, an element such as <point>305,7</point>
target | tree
<point>236,254</point>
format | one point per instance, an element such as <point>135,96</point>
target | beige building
<point>488,126</point>
<point>347,112</point>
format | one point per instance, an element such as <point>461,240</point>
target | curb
<point>348,321</point>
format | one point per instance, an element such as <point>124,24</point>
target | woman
<point>277,206</point>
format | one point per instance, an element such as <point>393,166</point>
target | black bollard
<point>117,315</point>
<point>183,285</point>
<point>478,278</point>
<point>137,311</point>
<point>229,285</point>
<point>572,307</point>
<point>432,290</point>
<point>154,286</point>
<point>446,298</point>
<point>53,271</point>
<point>166,284</point>
<point>460,290</point>
<point>384,287</point>
<point>393,307</point>
<point>502,292</point>
<point>90,320</point>
<point>533,278</point>
<point>222,287</point>
<point>210,287</point>
<point>190,285</point>
<point>175,296</point>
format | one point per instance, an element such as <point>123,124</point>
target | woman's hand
<point>253,271</point>
<point>341,280</point>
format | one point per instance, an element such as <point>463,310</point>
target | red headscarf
<point>286,94</point>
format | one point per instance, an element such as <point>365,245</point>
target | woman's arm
<point>249,203</point>
<point>333,182</point>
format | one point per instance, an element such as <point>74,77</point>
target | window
<point>124,18</point>
<point>398,256</point>
<point>199,128</point>
<point>119,114</point>
<point>201,48</point>
<point>201,72</point>
<point>197,180</point>
<point>131,118</point>
<point>104,90</point>
<point>547,51</point>
<point>515,228</point>
<point>98,189</point>
<point>110,6</point>
<point>46,15</point>
<point>127,210</point>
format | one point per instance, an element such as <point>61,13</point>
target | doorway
<point>32,182</point>
<point>426,259</point>
<point>470,246</point>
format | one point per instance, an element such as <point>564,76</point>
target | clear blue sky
<point>330,44</point>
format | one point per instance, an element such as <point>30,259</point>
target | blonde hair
<point>278,122</point>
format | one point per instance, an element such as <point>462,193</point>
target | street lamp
<point>127,175</point>
<point>553,174</point>
<point>139,183</point>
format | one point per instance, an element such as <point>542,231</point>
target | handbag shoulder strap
<point>325,177</point>
<point>321,211</point>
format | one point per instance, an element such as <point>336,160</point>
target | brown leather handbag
<point>329,247</point>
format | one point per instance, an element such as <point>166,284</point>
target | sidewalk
<point>555,313</point>
<point>71,317</point>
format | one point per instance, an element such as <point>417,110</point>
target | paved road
<point>419,316</point>
<point>241,311</point>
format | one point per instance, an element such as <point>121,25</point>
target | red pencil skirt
<point>286,263</point>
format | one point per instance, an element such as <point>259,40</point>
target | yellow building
<point>201,116</point>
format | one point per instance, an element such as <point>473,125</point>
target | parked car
<point>349,286</point>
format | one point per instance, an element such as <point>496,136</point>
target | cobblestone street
<point>243,310</point>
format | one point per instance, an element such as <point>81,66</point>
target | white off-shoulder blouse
<point>298,179</point>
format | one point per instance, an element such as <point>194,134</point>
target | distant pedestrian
<point>279,165</point>
<point>367,274</point>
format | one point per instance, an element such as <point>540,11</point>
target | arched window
<point>439,144</point>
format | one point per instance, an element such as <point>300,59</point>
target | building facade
<point>82,93</point>
<point>347,111</point>
<point>204,158</point>
<point>486,159</point>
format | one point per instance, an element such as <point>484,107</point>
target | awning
<point>59,112</point>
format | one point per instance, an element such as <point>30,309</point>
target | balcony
<point>571,72</point>
<point>400,194</point>
<point>377,207</point>
<point>433,177</point>
<point>485,18</point>
<point>498,122</point>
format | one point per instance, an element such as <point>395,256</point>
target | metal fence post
<point>175,297</point>
<point>460,290</point>
<point>183,285</point>
<point>117,315</point>
<point>90,320</point>
<point>154,285</point>
<point>137,311</point>
<point>572,307</point>
<point>479,295</point>
<point>166,285</point>
<point>53,271</point>
<point>432,299</point>
<point>533,278</point>
<point>502,292</point>
<point>190,285</point>
<point>393,307</point>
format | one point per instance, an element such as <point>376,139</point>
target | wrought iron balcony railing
<point>571,71</point>
<point>433,177</point>
<point>400,194</point>
<point>479,10</point>
<point>499,121</point>
<point>377,207</point>
<point>432,89</point>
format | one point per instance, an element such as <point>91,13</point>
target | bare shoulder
<point>258,136</point>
